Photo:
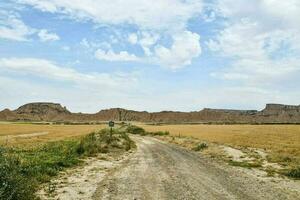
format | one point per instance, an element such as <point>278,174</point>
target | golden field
<point>281,141</point>
<point>32,134</point>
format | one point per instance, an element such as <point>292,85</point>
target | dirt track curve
<point>158,170</point>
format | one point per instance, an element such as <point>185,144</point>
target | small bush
<point>200,147</point>
<point>13,184</point>
<point>103,141</point>
<point>140,131</point>
<point>293,173</point>
<point>136,130</point>
<point>159,133</point>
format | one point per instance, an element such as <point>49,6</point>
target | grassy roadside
<point>23,170</point>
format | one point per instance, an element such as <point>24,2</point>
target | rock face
<point>273,113</point>
<point>41,112</point>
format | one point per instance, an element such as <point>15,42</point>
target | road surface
<point>159,170</point>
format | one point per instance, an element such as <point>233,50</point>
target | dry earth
<point>81,182</point>
<point>159,170</point>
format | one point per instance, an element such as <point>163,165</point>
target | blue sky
<point>135,54</point>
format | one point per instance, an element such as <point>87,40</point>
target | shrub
<point>293,173</point>
<point>136,130</point>
<point>200,147</point>
<point>13,184</point>
<point>159,133</point>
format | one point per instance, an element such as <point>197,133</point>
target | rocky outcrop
<point>7,115</point>
<point>273,113</point>
<point>41,111</point>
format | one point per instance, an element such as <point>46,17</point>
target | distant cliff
<point>53,112</point>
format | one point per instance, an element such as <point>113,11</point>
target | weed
<point>13,184</point>
<point>159,133</point>
<point>200,147</point>
<point>293,173</point>
<point>140,131</point>
<point>136,130</point>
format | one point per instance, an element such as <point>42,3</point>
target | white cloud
<point>13,28</point>
<point>185,47</point>
<point>46,36</point>
<point>165,18</point>
<point>85,43</point>
<point>50,70</point>
<point>147,41</point>
<point>263,47</point>
<point>133,38</point>
<point>110,55</point>
<point>164,14</point>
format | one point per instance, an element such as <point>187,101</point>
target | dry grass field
<point>32,134</point>
<point>281,141</point>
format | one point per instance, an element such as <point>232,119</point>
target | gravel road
<point>159,170</point>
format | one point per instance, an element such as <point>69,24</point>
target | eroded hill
<point>53,112</point>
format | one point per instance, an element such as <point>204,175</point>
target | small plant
<point>293,173</point>
<point>51,188</point>
<point>200,147</point>
<point>159,133</point>
<point>136,130</point>
<point>13,184</point>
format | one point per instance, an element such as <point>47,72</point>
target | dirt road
<point>159,170</point>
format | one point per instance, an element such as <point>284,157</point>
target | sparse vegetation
<point>159,133</point>
<point>293,173</point>
<point>22,169</point>
<point>14,134</point>
<point>135,130</point>
<point>200,147</point>
<point>140,131</point>
<point>282,142</point>
<point>245,164</point>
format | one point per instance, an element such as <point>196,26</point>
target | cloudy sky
<point>150,55</point>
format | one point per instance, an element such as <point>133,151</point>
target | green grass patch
<point>140,131</point>
<point>135,130</point>
<point>23,170</point>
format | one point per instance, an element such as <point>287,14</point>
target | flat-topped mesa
<point>42,108</point>
<point>276,109</point>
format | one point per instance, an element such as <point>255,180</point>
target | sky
<point>158,55</point>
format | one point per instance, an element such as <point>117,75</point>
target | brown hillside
<point>273,113</point>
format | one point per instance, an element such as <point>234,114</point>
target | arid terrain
<point>159,170</point>
<point>54,112</point>
<point>13,134</point>
<point>210,154</point>
<point>237,162</point>
<point>282,142</point>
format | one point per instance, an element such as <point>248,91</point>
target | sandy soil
<point>81,182</point>
<point>159,170</point>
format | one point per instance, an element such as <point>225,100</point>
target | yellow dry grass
<point>281,141</point>
<point>32,134</point>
